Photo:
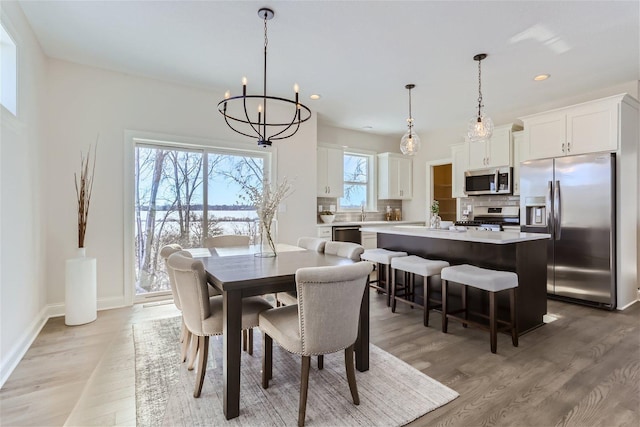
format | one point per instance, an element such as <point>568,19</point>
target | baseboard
<point>626,306</point>
<point>52,310</point>
<point>18,351</point>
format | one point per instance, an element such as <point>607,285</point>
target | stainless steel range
<point>494,218</point>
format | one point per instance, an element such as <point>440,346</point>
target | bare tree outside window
<point>170,204</point>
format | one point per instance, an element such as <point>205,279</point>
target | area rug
<point>392,393</point>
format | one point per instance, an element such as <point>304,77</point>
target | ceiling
<point>359,55</point>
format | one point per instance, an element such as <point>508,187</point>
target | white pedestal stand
<point>80,290</point>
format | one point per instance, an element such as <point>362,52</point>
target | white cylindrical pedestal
<point>80,291</point>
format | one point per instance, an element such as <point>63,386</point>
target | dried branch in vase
<point>84,187</point>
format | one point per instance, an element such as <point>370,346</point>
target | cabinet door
<point>405,178</point>
<point>592,128</point>
<point>369,240</point>
<point>388,178</point>
<point>460,164</point>
<point>477,155</point>
<point>547,135</point>
<point>499,148</point>
<point>518,146</point>
<point>330,172</point>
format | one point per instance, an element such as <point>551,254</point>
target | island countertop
<point>479,236</point>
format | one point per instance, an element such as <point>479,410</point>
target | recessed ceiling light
<point>541,77</point>
<point>314,96</point>
<point>367,127</point>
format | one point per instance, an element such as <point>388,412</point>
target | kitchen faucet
<point>362,214</point>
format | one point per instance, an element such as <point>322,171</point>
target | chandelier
<point>235,109</point>
<point>480,126</point>
<point>410,142</point>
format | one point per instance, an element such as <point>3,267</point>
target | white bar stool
<point>492,281</point>
<point>413,265</point>
<point>380,257</point>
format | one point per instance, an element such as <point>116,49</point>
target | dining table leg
<point>362,342</point>
<point>231,338</point>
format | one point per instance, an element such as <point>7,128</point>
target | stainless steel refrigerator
<point>573,198</point>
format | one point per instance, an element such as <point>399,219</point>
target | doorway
<point>442,191</point>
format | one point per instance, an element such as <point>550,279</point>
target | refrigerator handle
<point>548,207</point>
<point>557,210</point>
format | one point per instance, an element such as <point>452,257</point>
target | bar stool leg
<point>493,327</point>
<point>444,306</point>
<point>514,318</point>
<point>387,282</point>
<point>464,305</point>
<point>426,295</point>
<point>393,293</point>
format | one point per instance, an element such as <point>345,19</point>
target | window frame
<point>372,183</point>
<point>165,141</point>
<point>7,28</point>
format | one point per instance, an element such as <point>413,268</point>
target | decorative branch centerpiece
<point>435,218</point>
<point>266,200</point>
<point>84,187</point>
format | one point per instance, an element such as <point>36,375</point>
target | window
<point>9,72</point>
<point>358,184</point>
<point>174,203</point>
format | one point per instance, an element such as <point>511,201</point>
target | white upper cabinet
<point>518,147</point>
<point>495,152</point>
<point>330,172</point>
<point>395,176</point>
<point>459,165</point>
<point>585,128</point>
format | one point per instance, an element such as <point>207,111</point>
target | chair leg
<point>250,344</point>
<point>514,318</point>
<point>202,364</point>
<point>244,340</point>
<point>185,346</point>
<point>267,360</point>
<point>444,306</point>
<point>351,374</point>
<point>321,362</point>
<point>426,295</point>
<point>191,358</point>
<point>183,331</point>
<point>493,327</point>
<point>464,305</point>
<point>393,293</point>
<point>388,273</point>
<point>304,386</point>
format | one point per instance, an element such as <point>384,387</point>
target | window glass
<point>9,72</point>
<point>356,182</point>
<point>174,203</point>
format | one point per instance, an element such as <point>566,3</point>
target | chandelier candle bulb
<point>227,95</point>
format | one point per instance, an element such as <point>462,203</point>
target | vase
<point>80,290</point>
<point>268,237</point>
<point>435,221</point>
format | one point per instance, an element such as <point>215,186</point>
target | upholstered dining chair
<point>203,314</point>
<point>185,335</point>
<point>344,250</point>
<point>311,243</point>
<point>324,321</point>
<point>226,240</point>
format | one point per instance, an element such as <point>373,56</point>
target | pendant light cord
<point>264,81</point>
<point>479,90</point>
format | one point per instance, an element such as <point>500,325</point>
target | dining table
<point>240,272</point>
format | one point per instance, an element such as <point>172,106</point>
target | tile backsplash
<point>326,202</point>
<point>475,201</point>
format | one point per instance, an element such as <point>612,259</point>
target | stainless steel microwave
<point>488,181</point>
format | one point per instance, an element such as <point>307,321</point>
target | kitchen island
<point>522,253</point>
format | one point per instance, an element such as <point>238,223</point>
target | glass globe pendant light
<point>480,126</point>
<point>410,142</point>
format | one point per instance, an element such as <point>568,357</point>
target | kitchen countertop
<point>480,236</point>
<point>366,223</point>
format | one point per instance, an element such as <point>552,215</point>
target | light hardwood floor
<point>581,370</point>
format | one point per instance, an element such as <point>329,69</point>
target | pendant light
<point>236,113</point>
<point>410,142</point>
<point>480,126</point>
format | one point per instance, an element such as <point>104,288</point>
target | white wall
<point>84,102</point>
<point>22,258</point>
<point>355,139</point>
